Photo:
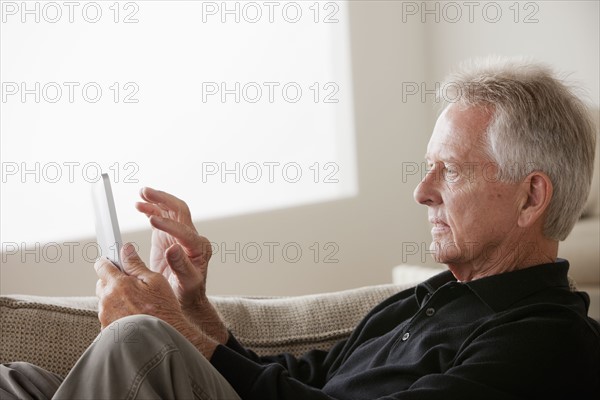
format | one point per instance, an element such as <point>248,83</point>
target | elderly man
<point>510,162</point>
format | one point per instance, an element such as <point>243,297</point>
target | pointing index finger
<point>166,201</point>
<point>157,196</point>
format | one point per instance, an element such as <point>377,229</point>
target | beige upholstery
<point>54,332</point>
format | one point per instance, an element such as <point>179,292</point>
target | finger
<point>194,244</point>
<point>166,201</point>
<point>106,270</point>
<point>101,315</point>
<point>133,264</point>
<point>99,288</point>
<point>148,209</point>
<point>180,263</point>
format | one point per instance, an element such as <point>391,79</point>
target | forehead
<point>459,133</point>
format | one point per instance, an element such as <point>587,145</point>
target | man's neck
<point>518,255</point>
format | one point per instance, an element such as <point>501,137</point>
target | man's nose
<point>427,191</point>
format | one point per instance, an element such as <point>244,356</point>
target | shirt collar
<point>426,288</point>
<point>501,291</point>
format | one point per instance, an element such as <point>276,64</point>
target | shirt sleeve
<point>275,377</point>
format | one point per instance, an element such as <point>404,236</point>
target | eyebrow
<point>447,159</point>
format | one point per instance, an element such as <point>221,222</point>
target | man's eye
<point>450,172</point>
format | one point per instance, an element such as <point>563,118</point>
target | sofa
<point>53,332</point>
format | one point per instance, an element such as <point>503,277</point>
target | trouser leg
<point>24,381</point>
<point>142,357</point>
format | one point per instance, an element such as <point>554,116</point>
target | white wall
<point>565,35</point>
<point>372,229</point>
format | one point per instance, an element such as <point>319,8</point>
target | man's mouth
<point>439,225</point>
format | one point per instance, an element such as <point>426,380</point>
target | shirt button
<point>405,336</point>
<point>430,311</point>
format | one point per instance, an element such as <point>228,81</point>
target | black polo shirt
<point>518,335</point>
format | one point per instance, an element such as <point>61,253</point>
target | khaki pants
<point>137,357</point>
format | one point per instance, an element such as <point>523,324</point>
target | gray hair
<point>538,124</point>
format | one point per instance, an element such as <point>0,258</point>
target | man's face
<point>474,216</point>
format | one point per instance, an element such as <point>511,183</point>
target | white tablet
<point>108,234</point>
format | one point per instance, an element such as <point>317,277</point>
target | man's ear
<point>538,189</point>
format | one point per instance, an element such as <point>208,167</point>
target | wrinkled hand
<point>181,255</point>
<point>142,291</point>
<point>137,291</point>
<point>178,252</point>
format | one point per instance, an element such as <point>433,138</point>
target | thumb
<point>132,263</point>
<point>180,263</point>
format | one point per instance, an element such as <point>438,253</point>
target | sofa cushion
<point>54,332</point>
<point>50,336</point>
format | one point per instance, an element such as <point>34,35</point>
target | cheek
<point>497,212</point>
<point>462,206</point>
<point>502,203</point>
<point>473,211</point>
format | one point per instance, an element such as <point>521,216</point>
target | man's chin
<point>444,252</point>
